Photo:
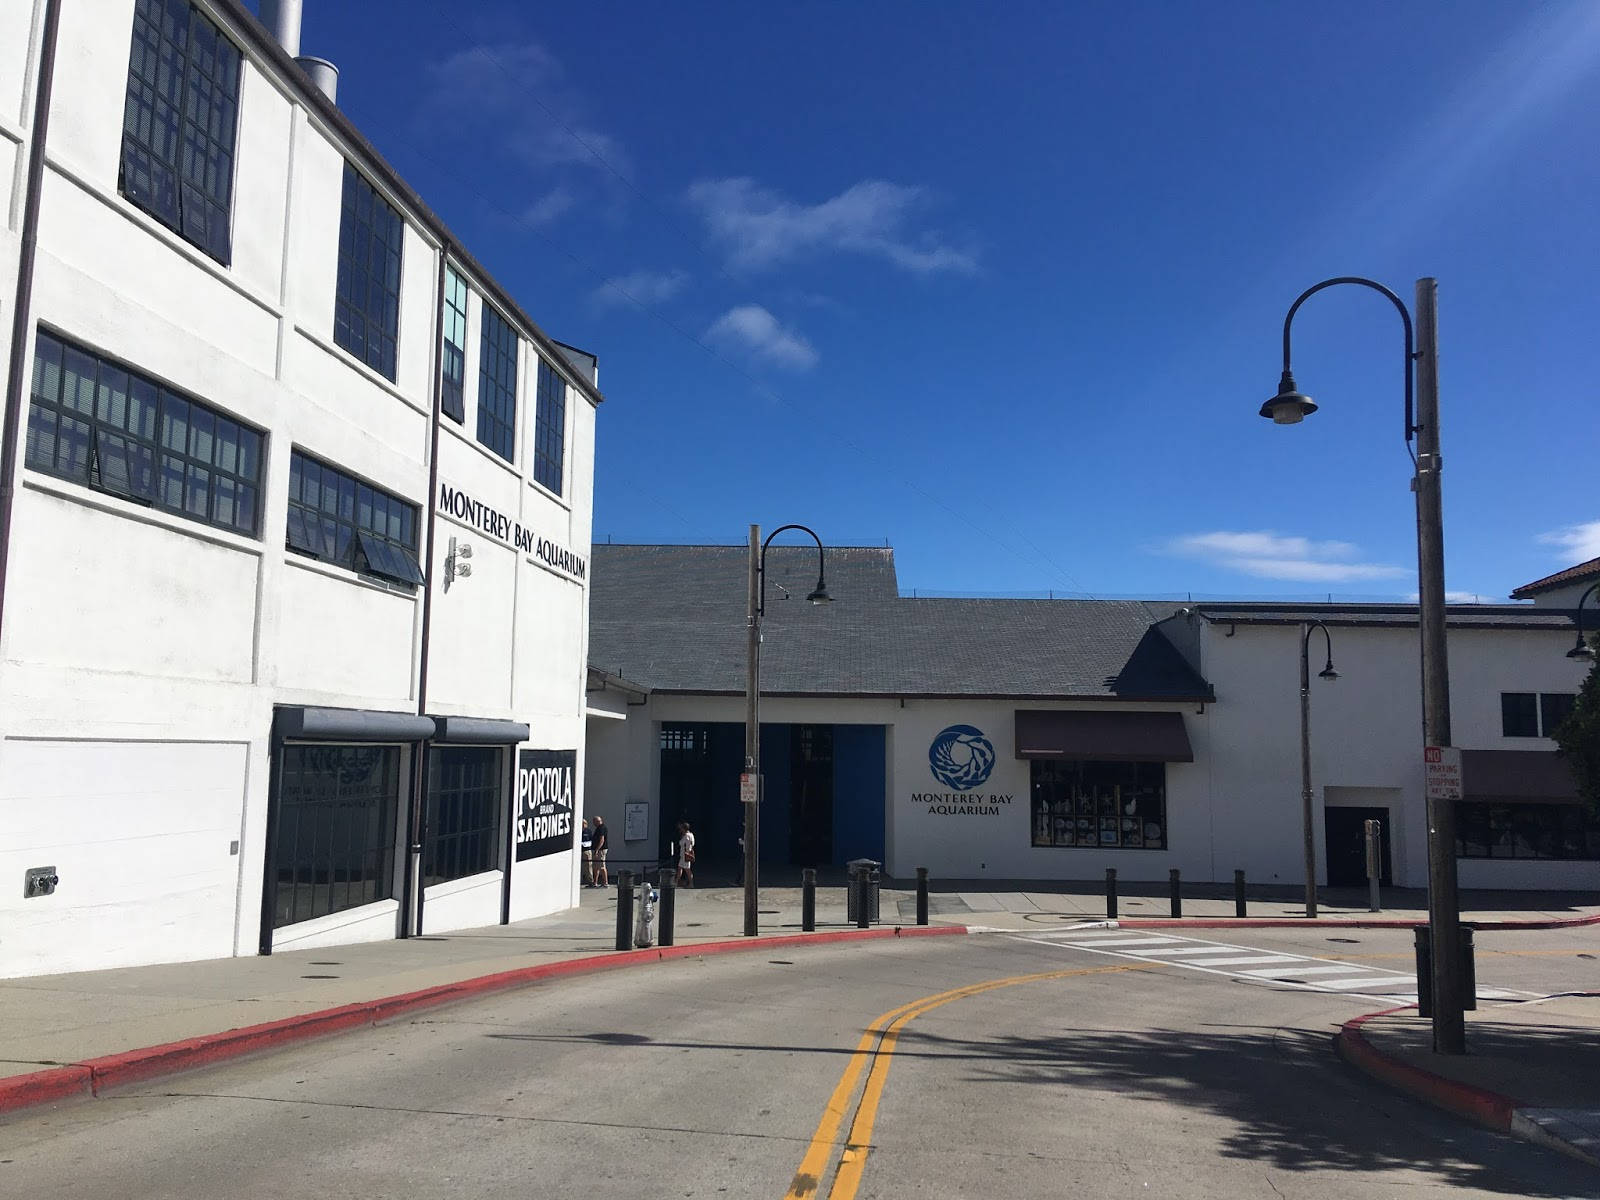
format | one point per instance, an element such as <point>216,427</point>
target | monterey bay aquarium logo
<point>961,758</point>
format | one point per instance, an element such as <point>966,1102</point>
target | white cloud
<point>548,207</point>
<point>759,228</point>
<point>1269,555</point>
<point>758,331</point>
<point>1578,543</point>
<point>647,287</point>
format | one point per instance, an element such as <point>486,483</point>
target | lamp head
<point>1328,672</point>
<point>1289,406</point>
<point>1582,651</point>
<point>819,594</point>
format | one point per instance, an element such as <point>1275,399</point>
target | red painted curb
<point>95,1075</point>
<point>1492,926</point>
<point>1477,1104</point>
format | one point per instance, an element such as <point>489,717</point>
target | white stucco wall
<point>127,626</point>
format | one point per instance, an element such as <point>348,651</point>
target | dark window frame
<point>1526,832</point>
<point>1533,714</point>
<point>339,518</point>
<point>550,429</point>
<point>180,123</point>
<point>1074,804</point>
<point>313,848</point>
<point>499,356</point>
<point>453,348</point>
<point>122,432</point>
<point>366,305</point>
<point>465,811</point>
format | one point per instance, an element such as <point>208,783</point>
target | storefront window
<point>465,800</point>
<point>1549,831</point>
<point>336,829</point>
<point>1105,805</point>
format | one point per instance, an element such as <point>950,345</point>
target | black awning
<point>479,731</point>
<point>350,725</point>
<point>1517,777</point>
<point>1108,736</point>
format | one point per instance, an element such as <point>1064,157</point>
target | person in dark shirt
<point>600,842</point>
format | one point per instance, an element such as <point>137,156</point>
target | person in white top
<point>685,855</point>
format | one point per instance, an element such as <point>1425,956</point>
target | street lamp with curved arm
<point>1583,650</point>
<point>819,594</point>
<point>1306,828</point>
<point>1290,406</point>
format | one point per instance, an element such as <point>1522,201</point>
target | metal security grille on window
<point>550,425</point>
<point>336,830</point>
<point>179,124</point>
<point>453,356</point>
<point>336,518</point>
<point>463,831</point>
<point>96,422</point>
<point>497,385</point>
<point>366,310</point>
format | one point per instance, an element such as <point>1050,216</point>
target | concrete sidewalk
<point>1532,1068</point>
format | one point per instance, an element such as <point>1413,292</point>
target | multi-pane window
<point>497,385</point>
<point>96,422</point>
<point>1106,805</point>
<point>453,354</point>
<point>337,518</point>
<point>465,793</point>
<point>336,830</point>
<point>179,123</point>
<point>1534,714</point>
<point>1526,831</point>
<point>550,428</point>
<point>366,309</point>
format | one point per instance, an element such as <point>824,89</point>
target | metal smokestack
<point>323,74</point>
<point>282,17</point>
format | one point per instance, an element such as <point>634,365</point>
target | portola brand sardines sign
<point>545,779</point>
<point>961,758</point>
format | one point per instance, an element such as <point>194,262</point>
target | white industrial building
<point>1052,739</point>
<point>297,512</point>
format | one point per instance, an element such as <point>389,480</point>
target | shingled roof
<point>673,617</point>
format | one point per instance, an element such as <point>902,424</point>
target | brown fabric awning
<point>1111,736</point>
<point>1517,777</point>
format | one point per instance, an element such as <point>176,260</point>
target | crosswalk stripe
<point>1253,958</point>
<point>1369,983</point>
<point>1277,972</point>
<point>1133,941</point>
<point>1191,951</point>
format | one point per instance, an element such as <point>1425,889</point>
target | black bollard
<point>1177,897</point>
<point>1424,951</point>
<point>1469,972</point>
<point>624,910</point>
<point>1111,893</point>
<point>922,895</point>
<point>1238,893</point>
<point>863,887</point>
<point>808,899</point>
<point>668,905</point>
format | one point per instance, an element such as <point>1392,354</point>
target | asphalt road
<point>993,1065</point>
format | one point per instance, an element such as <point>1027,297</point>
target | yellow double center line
<point>877,1047</point>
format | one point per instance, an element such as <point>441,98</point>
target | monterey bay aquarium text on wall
<point>502,528</point>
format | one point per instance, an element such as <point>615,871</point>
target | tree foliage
<point>1579,739</point>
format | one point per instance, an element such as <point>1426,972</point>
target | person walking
<point>599,843</point>
<point>685,855</point>
<point>587,841</point>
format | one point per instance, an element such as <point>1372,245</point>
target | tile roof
<point>1577,574</point>
<point>673,617</point>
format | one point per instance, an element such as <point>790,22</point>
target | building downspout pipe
<point>411,884</point>
<point>22,308</point>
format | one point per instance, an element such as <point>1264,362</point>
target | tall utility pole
<point>752,742</point>
<point>1444,918</point>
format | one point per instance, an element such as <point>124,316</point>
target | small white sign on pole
<point>1441,766</point>
<point>749,789</point>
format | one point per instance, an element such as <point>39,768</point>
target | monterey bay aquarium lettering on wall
<point>502,528</point>
<point>545,781</point>
<point>961,758</point>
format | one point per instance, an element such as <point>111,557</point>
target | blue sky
<point>1003,285</point>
